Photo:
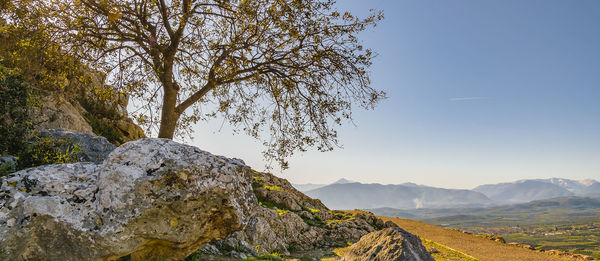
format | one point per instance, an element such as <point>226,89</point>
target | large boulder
<point>151,199</point>
<point>390,244</point>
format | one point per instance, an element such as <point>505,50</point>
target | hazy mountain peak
<point>343,181</point>
<point>588,182</point>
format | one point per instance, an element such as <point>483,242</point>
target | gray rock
<point>288,221</point>
<point>210,249</point>
<point>8,163</point>
<point>93,148</point>
<point>390,244</point>
<point>151,198</point>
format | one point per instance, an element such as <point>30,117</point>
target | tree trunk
<point>168,117</point>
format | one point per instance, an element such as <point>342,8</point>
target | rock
<point>93,148</point>
<point>151,199</point>
<point>55,113</point>
<point>89,106</point>
<point>389,244</point>
<point>288,221</point>
<point>7,164</point>
<point>128,130</point>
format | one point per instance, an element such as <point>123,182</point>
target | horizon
<point>582,181</point>
<point>479,93</point>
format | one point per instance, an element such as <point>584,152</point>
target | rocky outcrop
<point>86,105</point>
<point>288,222</point>
<point>150,199</point>
<point>92,148</point>
<point>54,113</point>
<point>158,199</point>
<point>390,244</point>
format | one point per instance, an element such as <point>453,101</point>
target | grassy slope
<point>441,252</point>
<point>477,247</point>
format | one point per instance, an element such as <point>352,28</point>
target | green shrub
<point>6,169</point>
<point>47,150</point>
<point>15,124</point>
<point>102,129</point>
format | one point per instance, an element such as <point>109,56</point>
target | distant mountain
<point>403,196</point>
<point>523,191</point>
<point>538,189</point>
<point>348,194</point>
<point>310,186</point>
<point>548,210</point>
<point>307,187</point>
<point>592,190</point>
<point>584,188</point>
<point>343,181</point>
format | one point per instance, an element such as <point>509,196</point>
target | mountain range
<point>346,194</point>
<point>538,211</point>
<point>537,189</point>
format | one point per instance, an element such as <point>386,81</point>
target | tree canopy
<point>293,68</point>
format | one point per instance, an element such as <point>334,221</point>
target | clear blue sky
<point>480,92</point>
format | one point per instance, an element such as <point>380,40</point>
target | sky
<point>479,92</point>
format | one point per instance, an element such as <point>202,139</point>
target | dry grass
<point>445,253</point>
<point>477,247</point>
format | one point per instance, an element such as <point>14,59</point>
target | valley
<point>567,224</point>
<point>552,214</point>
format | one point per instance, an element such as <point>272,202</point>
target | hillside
<point>475,246</point>
<point>536,189</point>
<point>548,210</point>
<point>404,196</point>
<point>523,191</point>
<point>568,224</point>
<point>309,186</point>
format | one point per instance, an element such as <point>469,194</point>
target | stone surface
<point>90,107</point>
<point>55,113</point>
<point>287,221</point>
<point>390,244</point>
<point>128,130</point>
<point>151,199</point>
<point>93,148</point>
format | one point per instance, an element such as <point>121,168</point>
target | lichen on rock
<point>290,223</point>
<point>125,205</point>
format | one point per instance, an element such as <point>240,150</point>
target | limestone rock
<point>390,244</point>
<point>55,113</point>
<point>128,130</point>
<point>90,107</point>
<point>151,198</point>
<point>93,148</point>
<point>288,221</point>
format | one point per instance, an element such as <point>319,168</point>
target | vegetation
<point>293,68</point>
<point>15,124</point>
<point>575,236</point>
<point>100,128</point>
<point>472,245</point>
<point>16,128</point>
<point>568,224</point>
<point>48,150</point>
<point>441,252</point>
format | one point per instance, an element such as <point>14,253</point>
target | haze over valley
<point>347,194</point>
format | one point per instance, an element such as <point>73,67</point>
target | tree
<point>294,67</point>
